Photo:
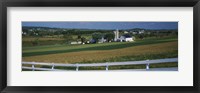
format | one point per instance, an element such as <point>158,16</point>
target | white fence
<point>52,65</point>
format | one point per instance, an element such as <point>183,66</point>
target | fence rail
<point>53,65</point>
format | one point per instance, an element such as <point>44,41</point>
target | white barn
<point>126,38</point>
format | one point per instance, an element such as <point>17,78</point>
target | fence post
<point>147,65</point>
<point>33,67</point>
<point>52,66</point>
<point>106,66</point>
<point>77,67</point>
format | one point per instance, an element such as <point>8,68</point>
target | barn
<point>126,38</point>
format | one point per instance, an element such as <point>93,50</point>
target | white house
<point>125,32</point>
<point>102,40</point>
<point>126,38</point>
<point>141,32</point>
<point>134,33</point>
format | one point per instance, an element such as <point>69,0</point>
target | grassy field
<point>27,41</point>
<point>41,38</point>
<point>154,48</point>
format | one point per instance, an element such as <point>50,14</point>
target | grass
<point>172,54</point>
<point>33,51</point>
<point>152,51</point>
<point>41,38</point>
<point>153,48</point>
<point>27,41</point>
<point>49,42</point>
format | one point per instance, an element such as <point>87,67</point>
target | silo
<point>116,32</point>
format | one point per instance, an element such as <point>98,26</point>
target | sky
<point>105,25</point>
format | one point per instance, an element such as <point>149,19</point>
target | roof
<point>127,36</point>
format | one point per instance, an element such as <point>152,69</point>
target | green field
<point>155,48</point>
<point>27,41</point>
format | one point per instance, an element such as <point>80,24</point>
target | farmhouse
<point>134,33</point>
<point>126,38</point>
<point>141,32</point>
<point>102,40</point>
<point>92,41</point>
<point>125,32</point>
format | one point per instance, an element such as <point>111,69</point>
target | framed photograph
<point>99,46</point>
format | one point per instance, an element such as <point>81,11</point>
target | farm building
<point>122,38</point>
<point>126,38</point>
<point>116,33</point>
<point>79,42</point>
<point>92,41</point>
<point>141,32</point>
<point>102,40</point>
<point>134,33</point>
<point>125,32</point>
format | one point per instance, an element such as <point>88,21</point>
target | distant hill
<point>85,29</point>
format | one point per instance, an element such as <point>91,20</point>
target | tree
<point>79,37</point>
<point>141,36</point>
<point>83,40</point>
<point>96,36</point>
<point>68,37</point>
<point>109,36</point>
<point>35,42</point>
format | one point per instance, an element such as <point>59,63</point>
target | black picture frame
<point>100,3</point>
